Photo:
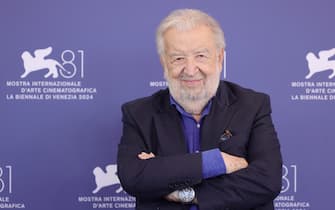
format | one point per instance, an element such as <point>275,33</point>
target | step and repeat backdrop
<point>67,66</point>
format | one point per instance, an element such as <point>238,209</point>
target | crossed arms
<point>232,163</point>
<point>245,185</point>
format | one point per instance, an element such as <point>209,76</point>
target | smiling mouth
<point>192,83</point>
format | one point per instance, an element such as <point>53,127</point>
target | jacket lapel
<point>214,124</point>
<point>168,127</point>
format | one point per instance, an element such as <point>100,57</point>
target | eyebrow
<point>205,50</point>
<point>202,51</point>
<point>173,54</point>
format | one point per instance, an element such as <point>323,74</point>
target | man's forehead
<point>197,32</point>
<point>200,37</point>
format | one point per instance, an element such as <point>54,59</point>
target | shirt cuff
<point>212,163</point>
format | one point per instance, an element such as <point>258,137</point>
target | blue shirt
<point>212,162</point>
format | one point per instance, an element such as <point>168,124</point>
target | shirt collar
<point>182,111</point>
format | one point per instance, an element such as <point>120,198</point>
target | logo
<point>110,200</point>
<point>109,178</point>
<point>321,64</point>
<point>39,61</point>
<point>288,199</point>
<point>68,67</point>
<point>317,89</point>
<point>7,194</point>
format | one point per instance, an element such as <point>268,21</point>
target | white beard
<point>193,100</point>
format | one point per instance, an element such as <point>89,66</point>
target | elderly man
<point>202,143</point>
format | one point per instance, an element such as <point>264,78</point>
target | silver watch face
<point>186,195</point>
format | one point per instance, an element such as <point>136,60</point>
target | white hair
<point>186,19</point>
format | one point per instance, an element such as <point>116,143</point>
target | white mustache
<point>190,78</point>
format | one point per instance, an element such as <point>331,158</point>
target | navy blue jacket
<point>151,124</point>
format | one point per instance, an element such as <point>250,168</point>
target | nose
<point>191,68</point>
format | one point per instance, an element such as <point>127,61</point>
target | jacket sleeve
<point>256,185</point>
<point>155,177</point>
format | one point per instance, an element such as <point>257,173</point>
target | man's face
<point>192,66</point>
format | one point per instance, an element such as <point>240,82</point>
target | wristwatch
<point>186,195</point>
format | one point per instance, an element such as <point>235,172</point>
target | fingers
<point>145,156</point>
<point>233,163</point>
<point>172,196</point>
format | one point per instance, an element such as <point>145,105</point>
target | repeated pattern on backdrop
<point>66,68</point>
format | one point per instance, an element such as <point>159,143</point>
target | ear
<point>220,57</point>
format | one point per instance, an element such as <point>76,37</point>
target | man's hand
<point>145,156</point>
<point>233,163</point>
<point>173,197</point>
